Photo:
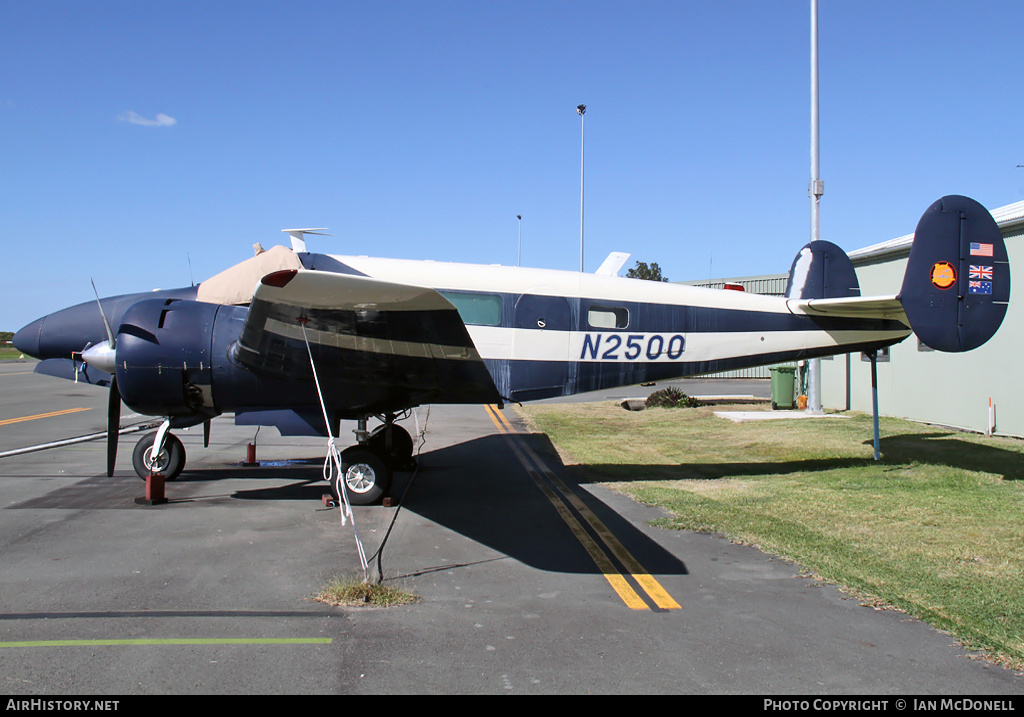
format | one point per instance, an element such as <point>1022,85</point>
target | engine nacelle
<point>164,359</point>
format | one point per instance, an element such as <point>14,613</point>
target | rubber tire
<point>173,455</point>
<point>366,475</point>
<point>401,446</point>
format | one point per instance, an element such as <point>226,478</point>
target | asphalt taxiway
<point>529,582</point>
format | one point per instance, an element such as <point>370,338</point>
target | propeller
<point>113,423</point>
<point>103,357</point>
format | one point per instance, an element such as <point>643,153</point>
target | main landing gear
<point>368,467</point>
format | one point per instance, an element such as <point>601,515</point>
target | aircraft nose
<point>26,339</point>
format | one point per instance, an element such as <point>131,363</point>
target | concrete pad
<point>748,398</point>
<point>741,416</point>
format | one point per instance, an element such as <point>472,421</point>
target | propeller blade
<point>110,334</point>
<point>113,424</point>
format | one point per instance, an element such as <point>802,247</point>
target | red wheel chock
<point>154,490</point>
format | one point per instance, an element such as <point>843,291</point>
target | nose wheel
<point>169,459</point>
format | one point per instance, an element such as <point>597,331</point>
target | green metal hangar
<point>918,383</point>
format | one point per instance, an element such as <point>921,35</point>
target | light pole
<point>519,259</point>
<point>581,110</point>
<point>817,188</point>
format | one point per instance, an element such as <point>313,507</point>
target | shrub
<point>670,397</point>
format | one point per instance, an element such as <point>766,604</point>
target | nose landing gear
<point>160,452</point>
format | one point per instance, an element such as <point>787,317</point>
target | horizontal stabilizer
<point>869,307</point>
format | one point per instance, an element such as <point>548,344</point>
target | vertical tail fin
<point>957,284</point>
<point>821,270</point>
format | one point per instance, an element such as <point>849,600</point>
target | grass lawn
<point>934,529</point>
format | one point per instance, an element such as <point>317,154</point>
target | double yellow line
<point>622,571</point>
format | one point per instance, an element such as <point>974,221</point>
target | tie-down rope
<point>333,459</point>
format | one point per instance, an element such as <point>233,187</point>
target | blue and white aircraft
<point>301,340</point>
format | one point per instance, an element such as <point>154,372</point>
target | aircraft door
<point>540,347</point>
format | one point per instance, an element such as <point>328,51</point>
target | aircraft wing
<point>377,346</point>
<point>864,307</point>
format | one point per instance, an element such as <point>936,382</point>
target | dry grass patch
<point>356,592</point>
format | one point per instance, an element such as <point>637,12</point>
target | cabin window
<point>604,317</point>
<point>476,309</point>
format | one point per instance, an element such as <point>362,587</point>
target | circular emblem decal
<point>943,275</point>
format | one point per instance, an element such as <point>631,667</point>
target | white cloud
<point>161,120</point>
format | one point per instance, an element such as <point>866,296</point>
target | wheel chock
<point>328,500</point>
<point>154,490</point>
<point>250,456</point>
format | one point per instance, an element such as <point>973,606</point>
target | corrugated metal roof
<point>1009,218</point>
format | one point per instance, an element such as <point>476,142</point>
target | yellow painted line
<point>51,414</point>
<point>651,586</point>
<point>501,417</point>
<point>645,580</point>
<point>172,641</point>
<point>614,578</point>
<point>495,416</point>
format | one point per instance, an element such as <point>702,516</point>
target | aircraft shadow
<point>305,476</point>
<point>478,489</point>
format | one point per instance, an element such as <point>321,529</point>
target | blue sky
<point>150,143</point>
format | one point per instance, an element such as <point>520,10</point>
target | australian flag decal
<point>980,287</point>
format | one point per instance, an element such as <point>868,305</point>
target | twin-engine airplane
<point>387,335</point>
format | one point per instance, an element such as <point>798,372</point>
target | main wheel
<point>400,452</point>
<point>170,461</point>
<point>367,477</point>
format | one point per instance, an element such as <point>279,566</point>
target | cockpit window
<point>476,309</point>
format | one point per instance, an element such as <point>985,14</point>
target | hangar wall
<point>925,385</point>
